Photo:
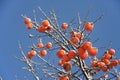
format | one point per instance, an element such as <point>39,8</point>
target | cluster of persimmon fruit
<point>107,61</point>
<point>84,50</point>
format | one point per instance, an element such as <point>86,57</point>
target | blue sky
<point>13,29</point>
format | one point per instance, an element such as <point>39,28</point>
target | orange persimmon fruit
<point>106,61</point>
<point>63,78</point>
<point>101,64</point>
<point>72,34</point>
<point>27,20</point>
<point>31,54</point>
<point>66,58</point>
<point>67,66</point>
<point>114,62</point>
<point>75,40</point>
<point>41,28</point>
<point>29,26</point>
<point>64,25</point>
<point>71,54</point>
<point>48,45</point>
<point>40,45</point>
<point>86,45</point>
<point>94,64</point>
<point>83,56</point>
<point>81,50</point>
<point>79,35</point>
<point>60,53</point>
<point>60,63</point>
<point>104,69</point>
<point>92,51</point>
<point>49,28</point>
<point>88,26</point>
<point>111,51</point>
<point>45,23</point>
<point>43,52</point>
<point>107,56</point>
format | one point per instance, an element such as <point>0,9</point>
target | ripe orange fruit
<point>43,52</point>
<point>79,35</point>
<point>74,40</point>
<point>95,59</point>
<point>64,25</point>
<point>63,78</point>
<point>107,56</point>
<point>29,26</point>
<point>101,64</point>
<point>114,62</point>
<point>94,64</point>
<point>104,69</point>
<point>45,23</point>
<point>87,45</point>
<point>67,67</point>
<point>72,34</point>
<point>81,50</point>
<point>106,61</point>
<point>31,54</point>
<point>40,45</point>
<point>72,54</point>
<point>83,56</point>
<point>60,63</point>
<point>110,66</point>
<point>111,51</point>
<point>49,28</point>
<point>41,29</point>
<point>66,58</point>
<point>49,45</point>
<point>92,51</point>
<point>60,53</point>
<point>88,26</point>
<point>27,20</point>
<point>64,62</point>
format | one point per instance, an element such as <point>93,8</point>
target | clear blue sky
<point>13,30</point>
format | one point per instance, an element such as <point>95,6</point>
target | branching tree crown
<point>68,53</point>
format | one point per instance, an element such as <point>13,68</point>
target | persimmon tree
<point>65,52</point>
